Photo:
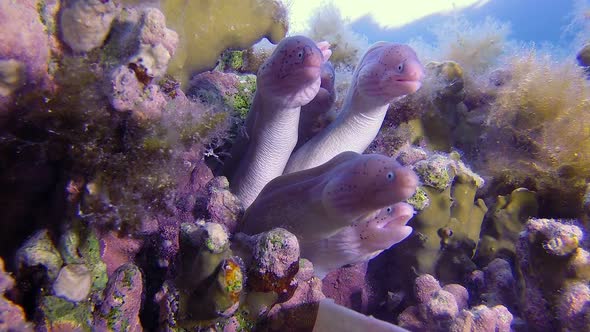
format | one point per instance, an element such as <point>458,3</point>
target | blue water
<point>538,21</point>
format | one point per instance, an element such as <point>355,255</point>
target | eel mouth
<point>407,86</point>
<point>307,73</point>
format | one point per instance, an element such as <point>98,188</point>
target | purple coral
<point>555,243</point>
<point>298,313</point>
<point>12,317</point>
<point>24,50</point>
<point>445,309</point>
<point>122,301</point>
<point>573,309</point>
<point>85,24</point>
<point>129,94</point>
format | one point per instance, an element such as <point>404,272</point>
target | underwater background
<point>265,165</point>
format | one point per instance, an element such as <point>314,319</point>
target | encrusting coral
<point>85,24</point>
<point>503,225</point>
<point>230,24</point>
<point>556,299</point>
<point>25,53</point>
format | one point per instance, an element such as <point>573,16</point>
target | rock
<point>73,282</point>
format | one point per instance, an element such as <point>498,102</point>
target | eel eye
<point>390,176</point>
<point>389,209</point>
<point>400,67</point>
<point>300,54</point>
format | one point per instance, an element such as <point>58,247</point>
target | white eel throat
<point>271,142</point>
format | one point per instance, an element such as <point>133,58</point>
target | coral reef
<point>117,213</point>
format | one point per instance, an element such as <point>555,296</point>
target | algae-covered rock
<point>275,261</point>
<point>208,28</point>
<point>449,76</point>
<point>120,308</point>
<point>300,311</point>
<point>85,24</point>
<point>57,314</point>
<point>224,207</point>
<point>40,250</point>
<point>90,252</point>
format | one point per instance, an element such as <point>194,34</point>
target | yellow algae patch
<point>208,27</point>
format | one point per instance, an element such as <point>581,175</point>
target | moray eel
<point>311,114</point>
<point>361,241</point>
<point>332,317</point>
<point>318,203</point>
<point>385,72</point>
<point>288,79</point>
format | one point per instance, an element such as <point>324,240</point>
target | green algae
<point>90,251</point>
<point>419,200</point>
<point>231,61</point>
<point>40,250</point>
<point>241,102</point>
<point>59,311</point>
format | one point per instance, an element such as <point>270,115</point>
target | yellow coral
<point>207,28</point>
